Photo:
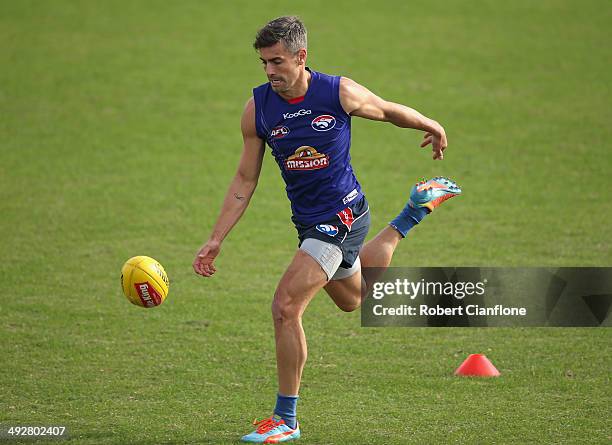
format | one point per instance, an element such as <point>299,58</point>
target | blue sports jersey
<point>310,141</point>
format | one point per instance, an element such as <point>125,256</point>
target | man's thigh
<point>301,281</point>
<point>346,292</point>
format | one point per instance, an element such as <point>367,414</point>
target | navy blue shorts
<point>347,230</point>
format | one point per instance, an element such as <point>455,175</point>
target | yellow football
<point>144,281</point>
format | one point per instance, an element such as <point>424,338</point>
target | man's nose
<point>269,69</point>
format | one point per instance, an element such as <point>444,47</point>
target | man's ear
<point>302,53</point>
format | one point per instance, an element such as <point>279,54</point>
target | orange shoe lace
<point>265,425</point>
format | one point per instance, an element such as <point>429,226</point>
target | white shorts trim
<point>342,273</point>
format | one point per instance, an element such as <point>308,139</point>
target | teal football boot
<point>432,193</point>
<point>272,430</point>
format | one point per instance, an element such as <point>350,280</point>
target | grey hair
<point>288,29</point>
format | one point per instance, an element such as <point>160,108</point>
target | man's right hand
<point>238,194</point>
<point>203,263</point>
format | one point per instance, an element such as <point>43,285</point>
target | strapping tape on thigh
<point>329,256</point>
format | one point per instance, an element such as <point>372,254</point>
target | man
<point>305,117</point>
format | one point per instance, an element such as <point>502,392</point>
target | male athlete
<point>305,118</point>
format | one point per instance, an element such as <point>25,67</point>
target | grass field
<point>119,132</point>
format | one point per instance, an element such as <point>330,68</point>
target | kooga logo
<point>302,112</point>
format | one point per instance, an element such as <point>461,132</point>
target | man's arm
<point>238,195</point>
<point>357,100</point>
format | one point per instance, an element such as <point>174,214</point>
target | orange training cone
<point>477,365</point>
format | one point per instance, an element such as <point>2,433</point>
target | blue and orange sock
<point>286,408</point>
<point>408,218</point>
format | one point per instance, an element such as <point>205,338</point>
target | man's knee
<point>349,305</point>
<point>284,307</point>
<point>345,294</point>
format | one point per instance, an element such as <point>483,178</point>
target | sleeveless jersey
<point>310,141</point>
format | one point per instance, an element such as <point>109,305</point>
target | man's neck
<point>300,88</point>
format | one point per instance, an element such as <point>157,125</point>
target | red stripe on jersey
<point>296,100</point>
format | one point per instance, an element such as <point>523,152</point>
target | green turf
<point>119,132</point>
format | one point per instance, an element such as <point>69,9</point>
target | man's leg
<point>348,293</point>
<point>301,281</point>
<point>299,284</point>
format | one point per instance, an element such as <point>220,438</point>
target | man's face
<point>281,66</point>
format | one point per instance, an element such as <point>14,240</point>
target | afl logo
<point>279,132</point>
<point>327,229</point>
<point>324,122</point>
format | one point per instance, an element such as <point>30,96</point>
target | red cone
<point>477,365</point>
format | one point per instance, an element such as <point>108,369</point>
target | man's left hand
<point>438,142</point>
